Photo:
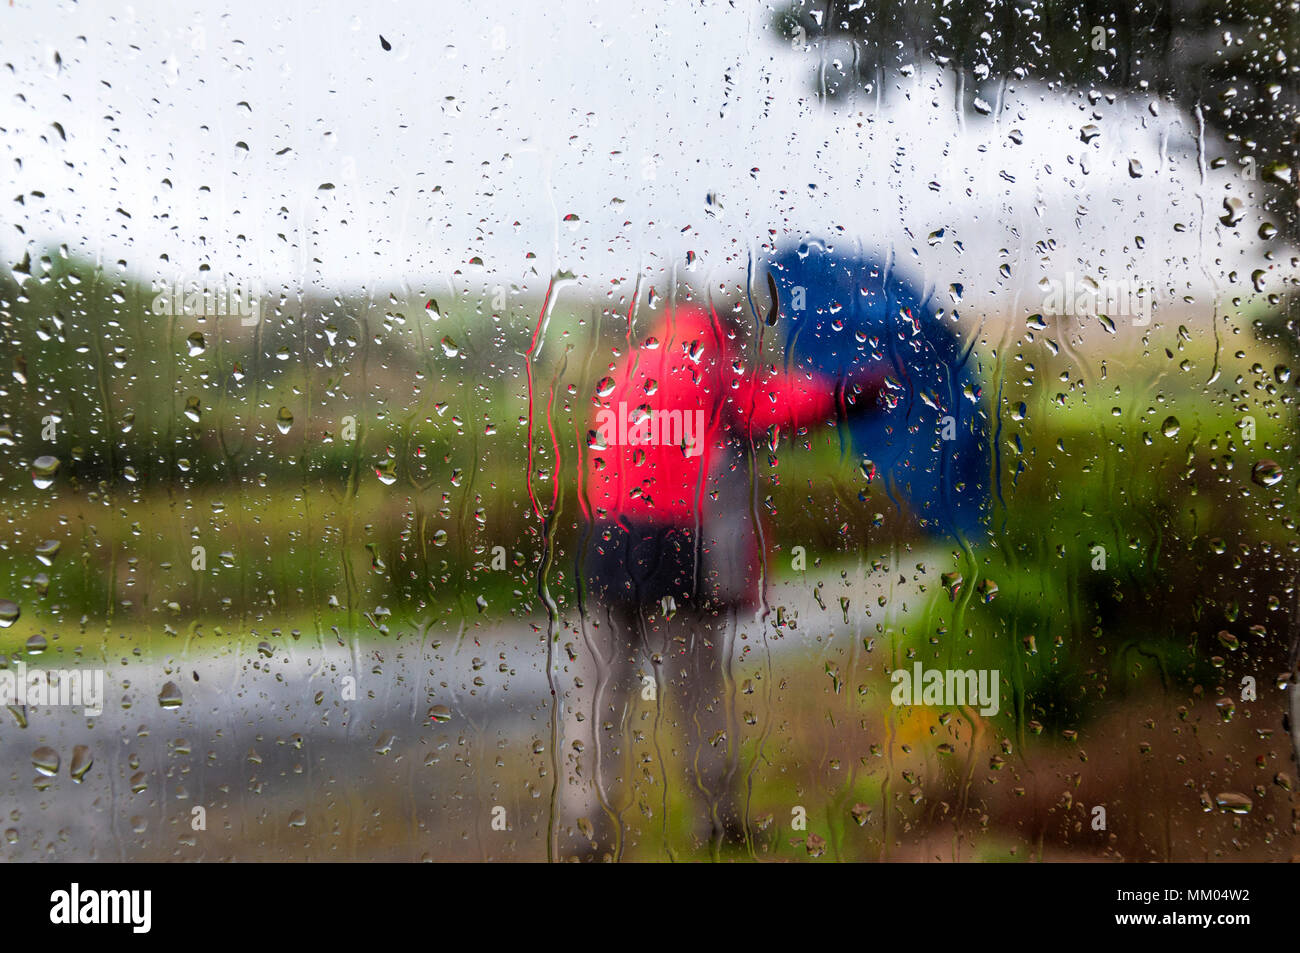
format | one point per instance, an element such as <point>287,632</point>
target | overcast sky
<point>486,125</point>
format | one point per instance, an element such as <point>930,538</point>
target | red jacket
<point>667,410</point>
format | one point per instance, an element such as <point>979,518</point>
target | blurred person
<point>673,555</point>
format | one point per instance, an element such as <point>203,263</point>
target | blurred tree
<point>1231,64</point>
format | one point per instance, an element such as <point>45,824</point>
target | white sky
<point>487,124</point>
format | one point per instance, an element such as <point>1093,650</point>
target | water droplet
<point>668,606</point>
<point>170,696</point>
<point>1226,709</point>
<point>43,470</point>
<point>283,420</point>
<point>46,761</point>
<point>1170,427</point>
<point>1266,473</point>
<point>1234,210</point>
<point>82,759</point>
<point>9,613</point>
<point>1232,803</point>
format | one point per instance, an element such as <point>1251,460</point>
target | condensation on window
<point>713,431</point>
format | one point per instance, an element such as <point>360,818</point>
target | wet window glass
<point>714,431</point>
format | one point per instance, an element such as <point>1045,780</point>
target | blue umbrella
<point>841,313</point>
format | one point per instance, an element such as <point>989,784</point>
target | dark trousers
<point>656,695</point>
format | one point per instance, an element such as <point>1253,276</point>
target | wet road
<point>399,749</point>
